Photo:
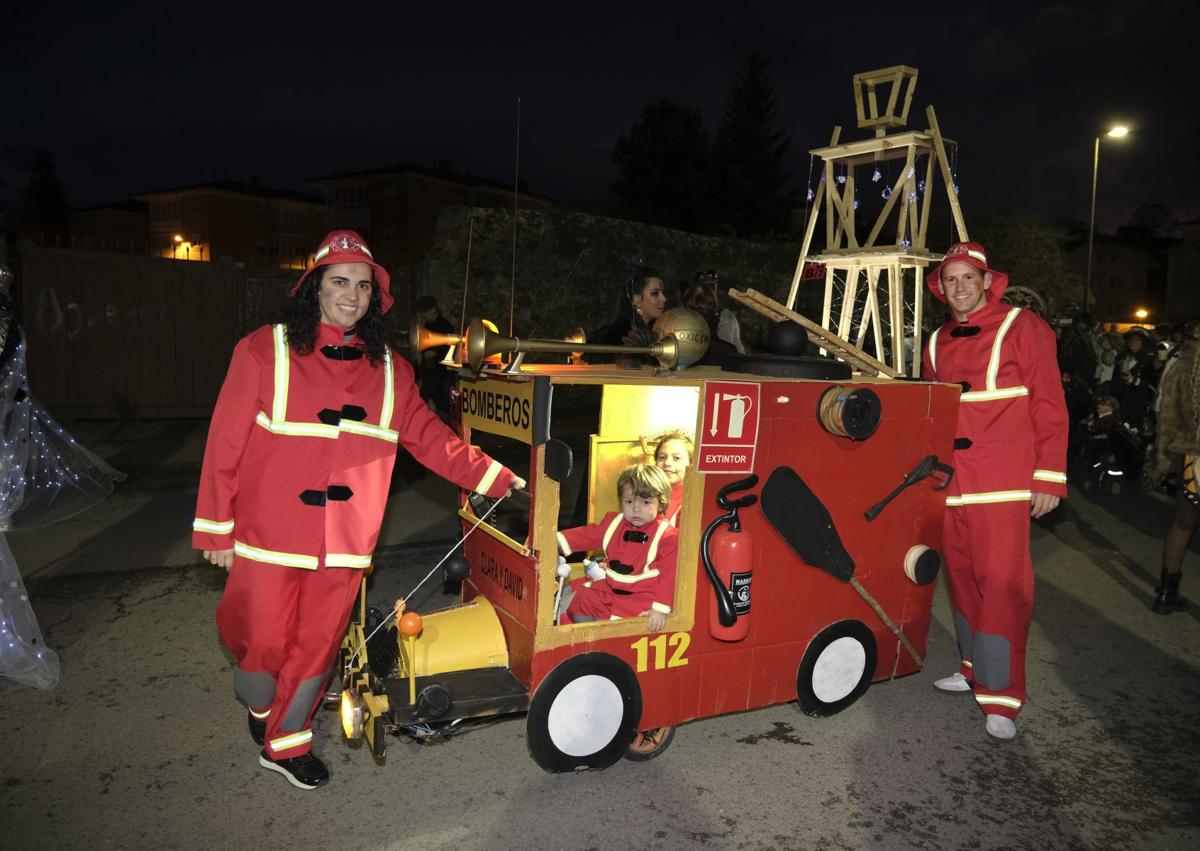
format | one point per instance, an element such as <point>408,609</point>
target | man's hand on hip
<point>1042,504</point>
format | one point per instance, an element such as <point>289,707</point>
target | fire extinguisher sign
<point>729,433</point>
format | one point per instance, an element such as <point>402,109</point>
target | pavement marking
<point>426,841</point>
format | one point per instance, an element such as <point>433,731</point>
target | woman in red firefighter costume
<point>1010,464</point>
<point>295,478</point>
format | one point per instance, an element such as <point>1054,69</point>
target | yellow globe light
<point>1120,131</point>
<point>1141,313</point>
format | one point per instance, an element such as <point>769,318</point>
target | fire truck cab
<point>815,585</point>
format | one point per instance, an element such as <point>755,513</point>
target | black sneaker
<point>258,728</point>
<point>304,772</point>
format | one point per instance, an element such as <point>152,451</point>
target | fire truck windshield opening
<point>512,515</point>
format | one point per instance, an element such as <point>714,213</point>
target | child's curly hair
<point>646,481</point>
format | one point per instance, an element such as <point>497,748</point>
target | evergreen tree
<point>45,215</point>
<point>749,179</point>
<point>664,165</point>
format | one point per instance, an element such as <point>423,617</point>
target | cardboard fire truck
<point>808,546</point>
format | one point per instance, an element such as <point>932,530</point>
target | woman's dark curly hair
<point>303,314</point>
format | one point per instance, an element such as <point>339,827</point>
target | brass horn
<point>421,338</point>
<point>482,343</point>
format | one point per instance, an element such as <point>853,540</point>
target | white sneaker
<point>954,682</point>
<point>999,727</point>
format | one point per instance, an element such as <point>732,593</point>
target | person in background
<point>434,378</point>
<point>294,482</point>
<point>702,299</point>
<point>641,301</point>
<point>727,327</point>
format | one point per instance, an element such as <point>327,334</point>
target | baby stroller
<point>1112,451</point>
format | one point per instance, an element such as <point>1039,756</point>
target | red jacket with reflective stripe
<point>1012,412</point>
<point>300,453</point>
<point>653,561</point>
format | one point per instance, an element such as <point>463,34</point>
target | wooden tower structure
<point>874,285</point>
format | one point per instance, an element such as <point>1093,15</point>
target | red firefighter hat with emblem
<point>346,246</point>
<point>967,252</point>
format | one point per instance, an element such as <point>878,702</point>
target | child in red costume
<point>639,547</point>
<point>673,455</point>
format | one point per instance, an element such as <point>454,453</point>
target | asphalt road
<point>143,746</point>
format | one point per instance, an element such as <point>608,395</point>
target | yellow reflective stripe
<point>989,497</point>
<point>273,557</point>
<point>659,607</point>
<point>997,700</point>
<point>321,252</point>
<point>608,533</point>
<point>291,740</point>
<point>563,546</point>
<point>652,553</point>
<point>978,255</point>
<point>622,579</point>
<point>296,429</point>
<point>259,715</point>
<point>389,391</point>
<point>215,527</point>
<point>279,402</point>
<point>994,361</point>
<point>346,560</point>
<point>933,349</point>
<point>367,430</point>
<point>1049,476</point>
<point>489,478</point>
<point>991,395</point>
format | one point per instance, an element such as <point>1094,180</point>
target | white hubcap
<point>839,669</point>
<point>586,715</point>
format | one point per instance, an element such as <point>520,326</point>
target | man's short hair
<point>647,482</point>
<point>424,303</point>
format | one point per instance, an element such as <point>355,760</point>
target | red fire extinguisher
<point>728,556</point>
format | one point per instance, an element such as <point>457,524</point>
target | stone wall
<point>570,268</point>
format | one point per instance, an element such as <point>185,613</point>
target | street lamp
<point>1117,132</point>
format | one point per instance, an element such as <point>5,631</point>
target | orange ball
<point>411,624</point>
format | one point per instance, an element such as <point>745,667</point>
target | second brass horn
<point>482,343</point>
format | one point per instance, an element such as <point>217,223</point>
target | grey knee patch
<point>257,688</point>
<point>303,701</point>
<point>583,618</point>
<point>962,630</point>
<point>993,659</point>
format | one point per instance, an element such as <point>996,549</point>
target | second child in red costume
<point>294,482</point>
<point>673,455</point>
<point>639,548</point>
<point>1010,464</point>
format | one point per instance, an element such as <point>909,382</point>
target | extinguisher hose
<point>726,613</point>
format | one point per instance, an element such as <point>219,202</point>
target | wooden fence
<point>124,336</point>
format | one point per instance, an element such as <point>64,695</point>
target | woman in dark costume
<point>639,304</point>
<point>44,476</point>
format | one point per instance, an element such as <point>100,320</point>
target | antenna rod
<point>512,290</point>
<point>462,319</point>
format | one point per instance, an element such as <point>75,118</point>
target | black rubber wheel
<point>837,668</point>
<point>644,756</point>
<point>584,714</point>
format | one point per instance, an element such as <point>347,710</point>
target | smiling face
<point>965,288</point>
<point>652,300</point>
<point>673,459</point>
<point>345,294</point>
<point>638,510</point>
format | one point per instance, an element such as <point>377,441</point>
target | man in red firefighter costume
<point>1010,465</point>
<point>295,478</point>
<point>639,545</point>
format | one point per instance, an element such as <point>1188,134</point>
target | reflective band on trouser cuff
<point>273,557</point>
<point>1049,476</point>
<point>260,715</point>
<point>997,700</point>
<point>992,395</point>
<point>346,560</point>
<point>291,740</point>
<point>661,608</point>
<point>987,498</point>
<point>489,478</point>
<point>215,527</point>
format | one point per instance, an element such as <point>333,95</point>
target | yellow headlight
<point>353,713</point>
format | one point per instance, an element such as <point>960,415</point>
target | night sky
<point>132,96</point>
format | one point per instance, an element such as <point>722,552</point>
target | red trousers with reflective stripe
<point>991,588</point>
<point>289,623</point>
